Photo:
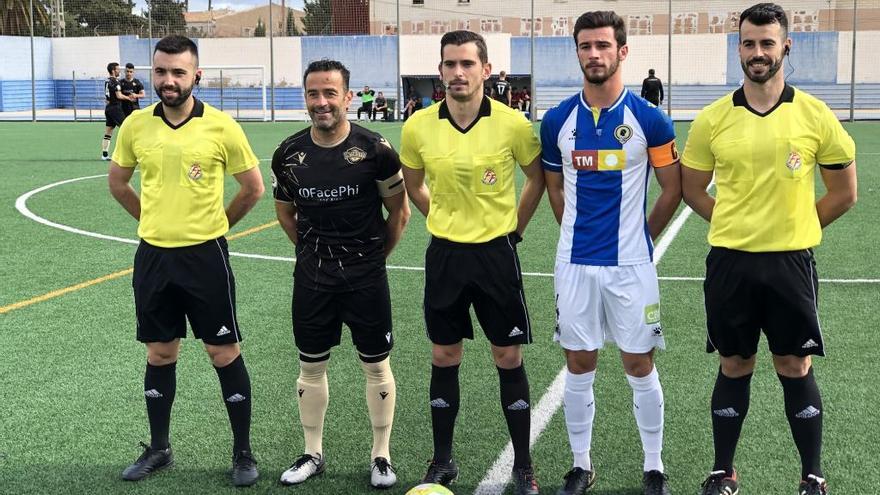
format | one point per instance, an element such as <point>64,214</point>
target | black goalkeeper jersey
<point>340,224</point>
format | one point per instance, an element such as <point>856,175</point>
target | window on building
<point>805,20</point>
<point>490,25</point>
<point>685,23</point>
<point>559,26</point>
<point>464,2</point>
<point>525,26</point>
<point>640,24</point>
<point>418,2</point>
<point>440,27</point>
<point>418,27</point>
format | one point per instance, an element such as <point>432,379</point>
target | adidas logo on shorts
<point>235,398</point>
<point>152,393</point>
<point>439,403</point>
<point>809,344</point>
<point>727,412</point>
<point>223,331</point>
<point>515,332</point>
<point>809,412</point>
<point>518,405</point>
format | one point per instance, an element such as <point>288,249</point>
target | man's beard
<point>600,79</point>
<point>323,125</point>
<point>770,72</point>
<point>176,101</point>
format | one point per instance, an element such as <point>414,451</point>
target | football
<point>429,489</point>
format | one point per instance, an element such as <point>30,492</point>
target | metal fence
<point>55,52</point>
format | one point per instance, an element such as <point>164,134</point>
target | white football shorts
<point>619,304</point>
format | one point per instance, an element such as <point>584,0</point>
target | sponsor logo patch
<point>598,160</point>
<point>518,406</point>
<point>809,412</point>
<point>652,314</point>
<point>727,412</point>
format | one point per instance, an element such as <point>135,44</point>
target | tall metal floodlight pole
<point>33,71</point>
<point>271,64</point>
<point>533,111</point>
<point>399,78</point>
<point>669,65</point>
<point>852,77</point>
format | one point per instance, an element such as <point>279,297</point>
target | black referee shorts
<point>485,275</point>
<point>318,317</point>
<point>113,115</point>
<point>775,292</point>
<point>196,283</point>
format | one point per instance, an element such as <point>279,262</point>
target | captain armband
<point>391,186</point>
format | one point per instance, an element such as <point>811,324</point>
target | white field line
<point>498,476</point>
<point>21,206</point>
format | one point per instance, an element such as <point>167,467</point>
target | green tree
<point>317,17</point>
<point>15,17</point>
<point>292,29</point>
<point>167,16</point>
<point>104,18</point>
<point>260,30</point>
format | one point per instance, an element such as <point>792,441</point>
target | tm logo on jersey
<point>598,160</point>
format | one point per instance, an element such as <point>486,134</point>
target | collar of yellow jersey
<point>485,111</point>
<point>198,110</point>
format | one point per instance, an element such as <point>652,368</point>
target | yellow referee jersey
<point>765,168</point>
<point>182,171</point>
<point>470,172</point>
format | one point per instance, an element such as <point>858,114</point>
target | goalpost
<point>239,90</point>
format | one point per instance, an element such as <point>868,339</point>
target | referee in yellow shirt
<point>184,148</point>
<point>764,143</point>
<point>469,145</point>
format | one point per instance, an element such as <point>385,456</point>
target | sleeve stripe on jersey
<point>835,166</point>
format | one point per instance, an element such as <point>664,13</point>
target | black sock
<point>160,385</point>
<point>236,386</point>
<point>730,404</point>
<point>516,404</point>
<point>803,406</point>
<point>444,409</point>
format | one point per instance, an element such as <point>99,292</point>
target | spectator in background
<point>525,100</point>
<point>652,89</point>
<point>438,95</point>
<point>412,105</point>
<point>367,96</point>
<point>133,88</point>
<point>515,98</point>
<point>381,106</point>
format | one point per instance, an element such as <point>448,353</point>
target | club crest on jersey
<point>623,133</point>
<point>195,171</point>
<point>489,177</point>
<point>354,155</point>
<point>794,161</point>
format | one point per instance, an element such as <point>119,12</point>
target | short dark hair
<point>111,66</point>
<point>327,65</point>
<point>599,19</point>
<point>650,72</point>
<point>461,37</point>
<point>762,14</point>
<point>129,65</point>
<point>175,44</point>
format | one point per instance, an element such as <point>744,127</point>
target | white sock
<point>580,409</point>
<point>648,410</point>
